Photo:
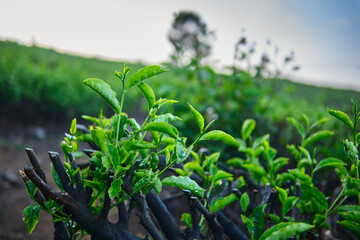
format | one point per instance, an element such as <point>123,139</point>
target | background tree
<point>190,37</point>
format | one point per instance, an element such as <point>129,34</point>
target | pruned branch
<point>99,228</point>
<point>195,216</point>
<point>214,225</point>
<point>230,228</point>
<point>59,168</point>
<point>163,216</point>
<point>35,163</point>
<point>123,216</point>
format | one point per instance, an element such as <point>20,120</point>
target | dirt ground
<point>14,137</point>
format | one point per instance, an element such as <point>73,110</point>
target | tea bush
<point>125,169</point>
<point>44,84</point>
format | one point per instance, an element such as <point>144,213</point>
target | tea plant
<point>307,204</point>
<point>128,160</point>
<point>126,167</point>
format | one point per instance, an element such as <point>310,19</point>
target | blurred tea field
<point>42,85</point>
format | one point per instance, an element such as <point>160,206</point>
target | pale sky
<point>324,34</point>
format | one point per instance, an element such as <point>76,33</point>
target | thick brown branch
<point>61,198</point>
<point>195,216</point>
<point>59,168</point>
<point>35,163</point>
<point>123,216</point>
<point>80,213</point>
<point>230,228</point>
<point>214,225</point>
<point>38,197</point>
<point>163,216</point>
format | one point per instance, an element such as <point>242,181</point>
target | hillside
<point>42,83</point>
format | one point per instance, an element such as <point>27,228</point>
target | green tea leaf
<point>106,162</point>
<point>278,163</point>
<point>91,119</point>
<point>31,217</point>
<point>300,175</point>
<point>105,91</point>
<point>353,183</point>
<point>154,161</point>
<point>181,152</point>
<point>99,137</point>
<point>283,196</point>
<point>157,186</point>
<point>148,93</point>
<point>258,219</point>
<point>348,208</point>
<point>194,166</point>
<point>167,117</point>
<point>321,121</point>
<point>114,153</point>
<point>298,126</point>
<point>289,204</point>
<point>314,198</point>
<point>274,218</point>
<point>186,219</point>
<point>241,182</point>
<point>134,125</point>
<point>210,160</point>
<point>30,188</point>
<point>283,231</point>
<point>221,175</point>
<point>115,187</point>
<point>184,183</point>
<point>316,137</point>
<point>342,117</point>
<point>247,128</point>
<point>320,220</point>
<point>236,162</point>
<point>357,138</point>
<point>248,223</point>
<point>198,117</point>
<point>219,136</point>
<point>222,202</point>
<point>306,120</point>
<point>256,169</point>
<point>144,74</point>
<point>139,185</point>
<point>56,178</point>
<point>73,127</point>
<point>244,202</point>
<point>343,174</point>
<point>305,152</point>
<point>126,70</point>
<point>292,149</point>
<point>351,216</point>
<point>134,145</point>
<point>329,162</point>
<point>160,127</point>
<point>351,152</point>
<point>354,227</point>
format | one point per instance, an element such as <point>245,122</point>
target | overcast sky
<point>324,34</point>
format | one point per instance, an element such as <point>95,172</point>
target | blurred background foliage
<point>42,85</point>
